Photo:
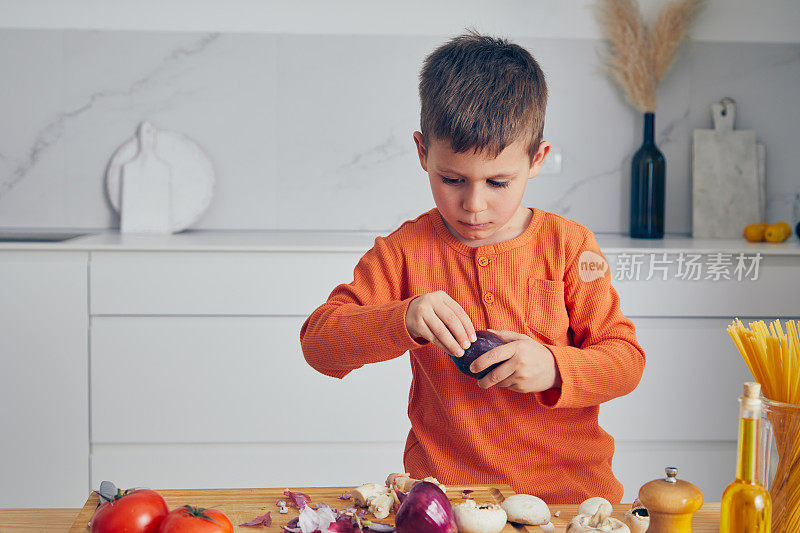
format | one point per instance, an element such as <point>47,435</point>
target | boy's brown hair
<point>482,92</point>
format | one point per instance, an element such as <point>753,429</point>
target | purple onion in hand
<point>425,509</point>
<point>486,341</point>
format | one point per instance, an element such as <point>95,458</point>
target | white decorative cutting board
<point>727,177</point>
<point>159,181</point>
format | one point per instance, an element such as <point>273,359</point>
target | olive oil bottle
<point>746,504</point>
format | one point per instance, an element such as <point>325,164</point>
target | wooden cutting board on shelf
<point>728,177</point>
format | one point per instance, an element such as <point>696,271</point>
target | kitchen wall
<point>307,110</point>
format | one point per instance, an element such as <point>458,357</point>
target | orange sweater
<point>548,444</point>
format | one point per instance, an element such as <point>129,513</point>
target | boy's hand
<point>436,317</point>
<point>528,366</point>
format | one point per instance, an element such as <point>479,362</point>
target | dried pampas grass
<point>637,56</point>
<point>669,30</point>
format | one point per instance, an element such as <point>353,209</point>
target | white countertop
<point>321,241</point>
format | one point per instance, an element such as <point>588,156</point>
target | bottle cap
<point>751,400</point>
<point>752,389</point>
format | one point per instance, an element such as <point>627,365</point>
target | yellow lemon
<point>754,232</point>
<point>786,227</point>
<point>776,233</point>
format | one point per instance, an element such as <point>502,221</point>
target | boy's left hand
<point>529,366</point>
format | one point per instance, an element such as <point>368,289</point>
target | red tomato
<point>132,511</point>
<point>188,519</point>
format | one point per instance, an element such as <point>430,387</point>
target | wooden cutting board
<point>727,185</point>
<point>242,505</point>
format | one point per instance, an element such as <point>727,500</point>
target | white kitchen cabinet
<point>689,387</point>
<point>774,294</point>
<point>710,465</point>
<point>183,352</point>
<point>44,405</point>
<point>233,380</point>
<point>230,402</point>
<point>246,465</point>
<point>209,283</point>
<point>683,412</point>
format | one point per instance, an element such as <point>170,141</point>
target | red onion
<point>425,509</point>
<point>486,341</point>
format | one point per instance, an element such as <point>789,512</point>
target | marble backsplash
<point>313,132</point>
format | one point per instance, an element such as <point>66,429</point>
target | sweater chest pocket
<point>545,312</point>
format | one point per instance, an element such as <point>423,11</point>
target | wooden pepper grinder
<point>671,503</point>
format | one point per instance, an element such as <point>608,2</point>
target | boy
<point>481,260</point>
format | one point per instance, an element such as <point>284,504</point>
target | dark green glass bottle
<point>648,173</point>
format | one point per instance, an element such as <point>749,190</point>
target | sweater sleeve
<point>363,321</point>
<point>605,360</point>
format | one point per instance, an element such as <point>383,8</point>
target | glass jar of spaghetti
<point>779,464</point>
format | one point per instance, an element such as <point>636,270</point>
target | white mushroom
<point>600,521</point>
<point>362,494</point>
<point>472,518</point>
<point>637,518</point>
<point>590,506</point>
<point>381,505</point>
<point>526,509</point>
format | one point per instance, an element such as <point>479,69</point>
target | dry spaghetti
<point>773,358</point>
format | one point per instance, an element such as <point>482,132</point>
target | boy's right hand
<point>436,317</point>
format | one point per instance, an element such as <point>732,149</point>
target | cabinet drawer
<point>233,379</point>
<point>689,388</point>
<point>199,283</point>
<point>244,379</point>
<point>289,464</point>
<point>295,283</point>
<point>710,466</point>
<point>774,293</point>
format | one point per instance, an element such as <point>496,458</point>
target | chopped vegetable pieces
<point>263,520</point>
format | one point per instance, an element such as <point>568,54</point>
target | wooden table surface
<point>44,520</point>
<point>242,505</point>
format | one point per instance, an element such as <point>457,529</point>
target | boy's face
<point>478,197</point>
